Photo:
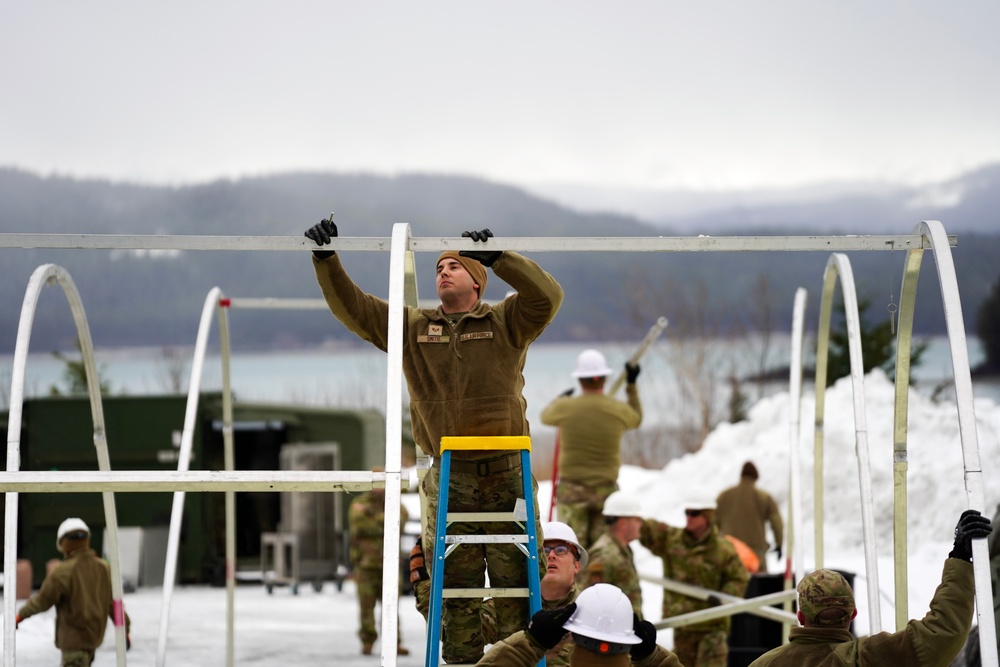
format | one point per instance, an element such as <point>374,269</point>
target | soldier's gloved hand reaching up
<point>321,233</point>
<point>631,372</point>
<point>971,526</point>
<point>486,258</point>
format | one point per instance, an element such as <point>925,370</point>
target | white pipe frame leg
<point>44,275</point>
<point>838,265</point>
<point>793,540</point>
<point>955,324</point>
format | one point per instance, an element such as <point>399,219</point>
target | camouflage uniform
<point>467,566</point>
<point>932,641</point>
<point>612,563</point>
<point>366,518</point>
<point>558,656</point>
<point>590,436</point>
<point>710,562</point>
<point>464,376</point>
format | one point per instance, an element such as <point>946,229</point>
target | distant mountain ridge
<point>967,203</point>
<point>138,299</point>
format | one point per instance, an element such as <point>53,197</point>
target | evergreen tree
<point>878,344</point>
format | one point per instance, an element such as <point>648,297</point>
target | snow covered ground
<point>320,628</point>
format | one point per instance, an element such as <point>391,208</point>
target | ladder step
<point>485,592</point>
<point>454,517</point>
<point>485,539</point>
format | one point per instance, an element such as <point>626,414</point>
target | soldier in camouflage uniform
<point>463,362</point>
<point>590,435</point>
<point>563,558</point>
<point>366,518</point>
<point>697,554</point>
<point>826,608</point>
<point>611,560</point>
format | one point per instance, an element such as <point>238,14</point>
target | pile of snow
<point>935,481</point>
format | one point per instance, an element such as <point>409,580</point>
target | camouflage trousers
<point>77,658</point>
<point>369,583</point>
<point>468,565</point>
<point>581,508</point>
<point>701,649</point>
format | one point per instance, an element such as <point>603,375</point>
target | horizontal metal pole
<point>758,606</point>
<point>191,480</point>
<point>437,244</point>
<point>275,303</point>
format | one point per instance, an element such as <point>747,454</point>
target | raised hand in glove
<point>971,526</point>
<point>547,626</point>
<point>713,600</point>
<point>321,233</point>
<point>486,258</point>
<point>777,550</point>
<point>631,372</point>
<point>645,631</point>
<point>568,392</point>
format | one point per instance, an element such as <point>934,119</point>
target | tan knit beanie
<point>475,269</point>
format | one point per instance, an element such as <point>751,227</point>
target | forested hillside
<point>135,298</point>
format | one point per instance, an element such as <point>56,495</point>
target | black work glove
<point>568,392</point>
<point>645,631</point>
<point>128,642</point>
<point>713,600</point>
<point>971,526</point>
<point>547,626</point>
<point>777,550</point>
<point>486,258</point>
<point>631,372</point>
<point>321,233</point>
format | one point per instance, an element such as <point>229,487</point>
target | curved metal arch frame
<point>839,266</point>
<point>213,303</point>
<point>973,474</point>
<point>47,274</point>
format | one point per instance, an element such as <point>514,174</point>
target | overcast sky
<point>648,94</point>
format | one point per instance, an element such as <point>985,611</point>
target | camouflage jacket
<point>710,562</point>
<point>366,519</point>
<point>521,650</point>
<point>612,563</point>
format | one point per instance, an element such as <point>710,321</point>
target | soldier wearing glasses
<point>564,558</point>
<point>697,554</point>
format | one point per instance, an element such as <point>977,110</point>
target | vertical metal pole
<point>793,547</point>
<point>229,460</point>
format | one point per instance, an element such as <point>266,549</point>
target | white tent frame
<point>927,235</point>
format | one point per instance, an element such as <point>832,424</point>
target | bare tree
<point>172,368</point>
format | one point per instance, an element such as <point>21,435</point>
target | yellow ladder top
<point>485,442</point>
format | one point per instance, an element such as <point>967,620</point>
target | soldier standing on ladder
<point>463,365</point>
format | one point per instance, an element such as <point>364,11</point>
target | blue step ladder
<point>444,544</point>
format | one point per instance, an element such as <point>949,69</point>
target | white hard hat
<point>557,530</point>
<point>700,503</point>
<point>604,613</point>
<point>71,525</point>
<point>621,504</point>
<point>591,364</point>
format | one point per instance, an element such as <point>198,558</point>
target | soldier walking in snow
<point>743,512</point>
